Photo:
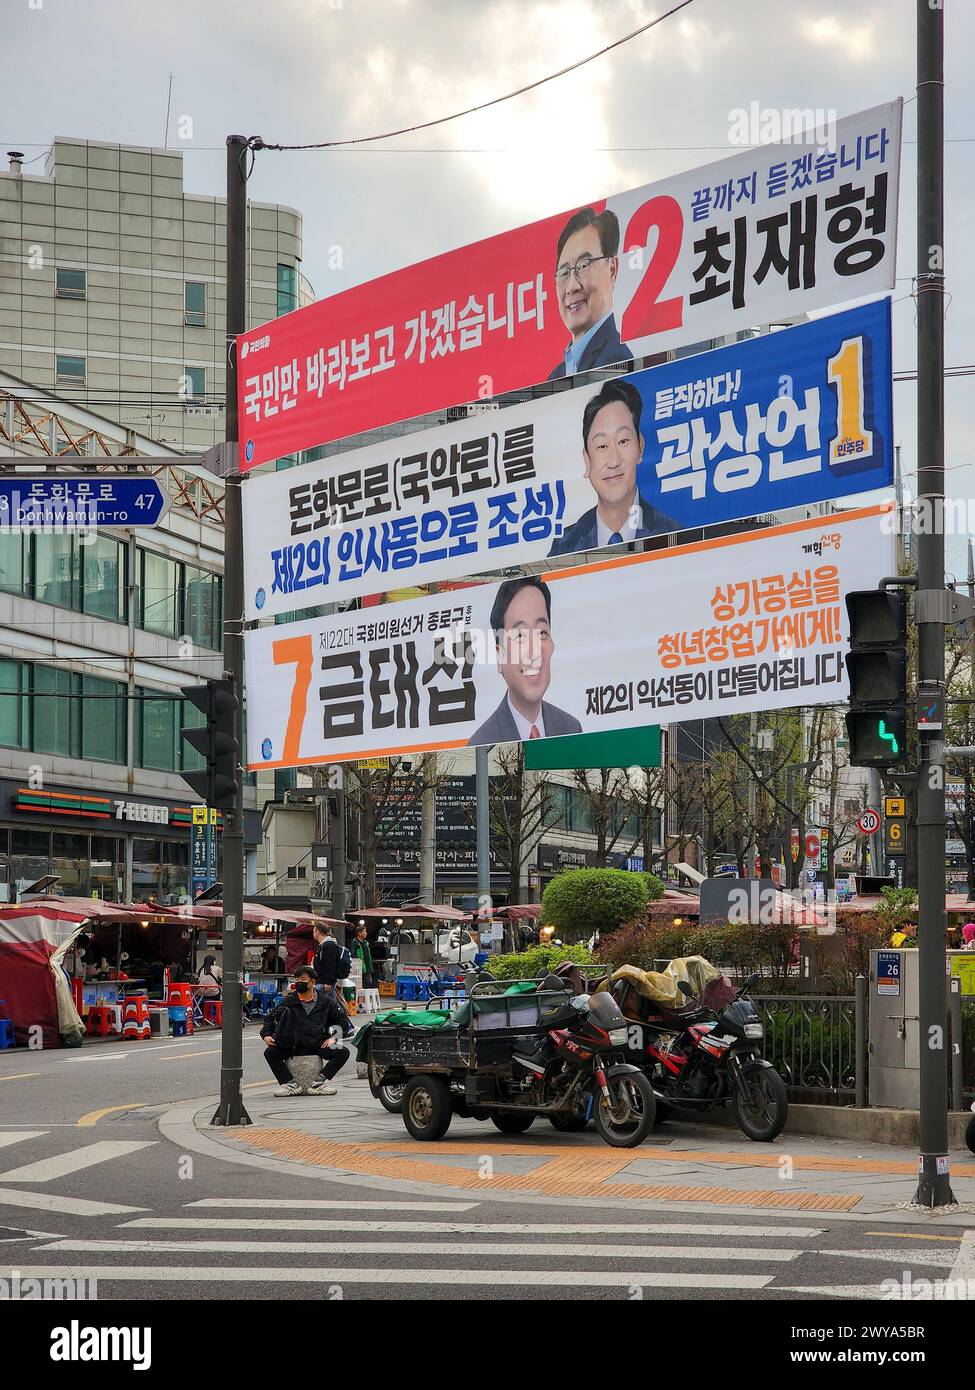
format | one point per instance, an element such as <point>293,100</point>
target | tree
<point>579,902</point>
<point>607,791</point>
<point>520,809</point>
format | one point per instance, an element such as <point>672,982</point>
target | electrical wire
<point>258,144</point>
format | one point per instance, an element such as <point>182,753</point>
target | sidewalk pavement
<point>351,1137</point>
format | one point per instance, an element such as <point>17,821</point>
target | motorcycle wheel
<point>631,1118</point>
<point>390,1097</point>
<point>568,1124</point>
<point>426,1107</point>
<point>760,1103</point>
<point>512,1124</point>
<point>970,1134</point>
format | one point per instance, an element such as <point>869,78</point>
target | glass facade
<point>90,864</point>
<point>287,289</point>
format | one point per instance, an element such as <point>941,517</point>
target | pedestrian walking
<point>308,1024</point>
<point>332,961</point>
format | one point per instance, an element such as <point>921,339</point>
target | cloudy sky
<point>297,71</point>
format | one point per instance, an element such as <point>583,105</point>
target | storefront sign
<point>142,811</point>
<point>753,621</point>
<point>761,237</point>
<point>692,443</point>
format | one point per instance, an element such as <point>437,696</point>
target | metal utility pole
<point>934,1184</point>
<point>485,907</point>
<point>231,1110</point>
<point>428,828</point>
<point>336,836</point>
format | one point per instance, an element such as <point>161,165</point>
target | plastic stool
<point>213,1011</point>
<point>177,1020</point>
<point>100,1018</point>
<point>6,1034</point>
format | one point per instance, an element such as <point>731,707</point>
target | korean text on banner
<point>753,621</point>
<point>761,237</point>
<point>785,420</point>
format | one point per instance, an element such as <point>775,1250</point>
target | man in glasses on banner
<point>586,267</point>
<point>521,620</point>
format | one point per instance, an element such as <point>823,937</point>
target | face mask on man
<point>301,985</point>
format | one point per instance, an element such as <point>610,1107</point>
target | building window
<point>195,304</point>
<point>55,572</point>
<point>56,712</point>
<point>159,594</point>
<point>12,552</point>
<point>14,711</point>
<point>69,371</point>
<point>103,578</point>
<point>158,726</point>
<point>287,289</point>
<point>103,720</point>
<point>193,387</point>
<point>71,284</point>
<point>202,618</point>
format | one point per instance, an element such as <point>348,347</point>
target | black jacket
<point>327,960</point>
<point>294,1030</point>
<point>584,535</point>
<point>603,350</point>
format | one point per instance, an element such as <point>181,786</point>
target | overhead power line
<point>258,144</point>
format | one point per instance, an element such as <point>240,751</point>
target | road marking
<point>877,1292</point>
<point>20,1076</point>
<point>325,1204</point>
<point>6,1139</point>
<point>75,1159</point>
<point>70,1206</point>
<point>944,1258</point>
<point>259,1275</point>
<point>91,1117</point>
<point>964,1266</point>
<point>434,1249</point>
<point>254,1085</point>
<point>176,1058</point>
<point>460,1228</point>
<point>909,1235</point>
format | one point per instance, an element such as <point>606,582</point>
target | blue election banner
<point>67,503</point>
<point>771,423</point>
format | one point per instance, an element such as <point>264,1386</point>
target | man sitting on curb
<point>307,1024</point>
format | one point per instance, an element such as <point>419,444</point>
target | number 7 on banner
<point>299,651</point>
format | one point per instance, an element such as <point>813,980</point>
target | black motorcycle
<point>698,1058</point>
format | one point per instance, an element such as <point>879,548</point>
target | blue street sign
<point>68,503</point>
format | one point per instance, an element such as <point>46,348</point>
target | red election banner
<point>760,237</point>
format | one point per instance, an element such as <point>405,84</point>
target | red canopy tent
<point>34,936</point>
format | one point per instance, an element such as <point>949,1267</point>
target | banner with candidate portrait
<point>753,621</point>
<point>764,236</point>
<point>785,420</point>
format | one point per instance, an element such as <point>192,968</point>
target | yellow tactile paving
<point>574,1171</point>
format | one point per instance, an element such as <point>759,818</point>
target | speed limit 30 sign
<point>868,822</point>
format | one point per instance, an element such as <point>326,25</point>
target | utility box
<point>895,1061</point>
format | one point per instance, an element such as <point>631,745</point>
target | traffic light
<point>216,783</point>
<point>877,667</point>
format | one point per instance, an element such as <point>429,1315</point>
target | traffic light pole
<point>231,1110</point>
<point>934,1185</point>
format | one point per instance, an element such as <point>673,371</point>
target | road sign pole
<point>934,1185</point>
<point>231,1110</point>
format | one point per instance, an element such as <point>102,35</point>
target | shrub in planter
<point>579,902</point>
<point>655,886</point>
<point>525,965</point>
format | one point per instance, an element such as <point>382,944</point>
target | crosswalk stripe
<point>459,1228</point>
<point>488,1278</point>
<point>328,1204</point>
<point>74,1159</point>
<point>70,1206</point>
<point>6,1139</point>
<point>437,1250</point>
<point>942,1258</point>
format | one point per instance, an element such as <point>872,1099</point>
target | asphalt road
<point>89,1186</point>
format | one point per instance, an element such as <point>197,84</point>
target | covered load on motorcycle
<point>638,991</point>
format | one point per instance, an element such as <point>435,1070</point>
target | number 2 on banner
<point>853,439</point>
<point>645,314</point>
<point>299,651</point>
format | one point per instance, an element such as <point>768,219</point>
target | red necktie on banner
<point>533,732</point>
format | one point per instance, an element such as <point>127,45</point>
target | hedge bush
<point>579,902</point>
<point>525,965</point>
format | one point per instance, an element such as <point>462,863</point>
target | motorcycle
<point>699,1058</point>
<point>572,1073</point>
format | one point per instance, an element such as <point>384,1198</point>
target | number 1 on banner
<point>853,439</point>
<point>299,651</point>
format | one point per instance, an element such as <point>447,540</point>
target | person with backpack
<point>332,962</point>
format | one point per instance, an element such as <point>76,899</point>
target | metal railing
<point>816,1043</point>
